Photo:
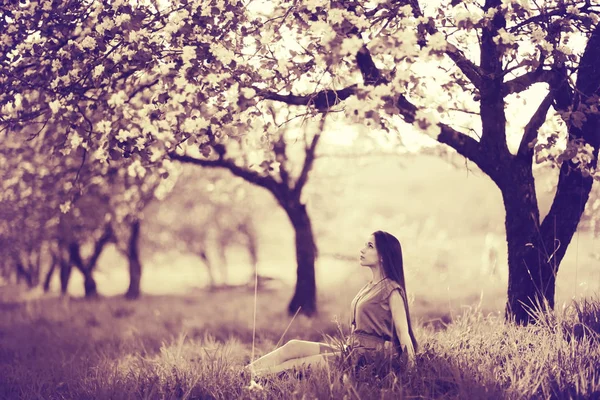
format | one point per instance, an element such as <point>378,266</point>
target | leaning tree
<point>212,68</point>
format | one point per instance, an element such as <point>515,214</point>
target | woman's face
<point>368,255</point>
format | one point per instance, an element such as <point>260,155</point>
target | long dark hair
<point>390,253</point>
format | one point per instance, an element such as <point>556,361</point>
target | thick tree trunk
<point>529,275</point>
<point>305,296</point>
<point>135,265</point>
<point>536,250</point>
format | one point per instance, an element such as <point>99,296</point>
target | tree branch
<point>521,83</point>
<point>533,126</point>
<point>322,100</point>
<point>472,71</point>
<point>545,16</point>
<point>463,144</point>
<point>308,161</point>
<point>369,71</point>
<point>107,235</point>
<point>253,177</point>
<point>279,148</point>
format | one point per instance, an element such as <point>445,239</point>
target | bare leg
<point>319,360</point>
<point>291,350</point>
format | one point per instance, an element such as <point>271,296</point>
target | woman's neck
<point>377,275</point>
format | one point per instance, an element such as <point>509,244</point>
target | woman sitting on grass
<point>380,317</point>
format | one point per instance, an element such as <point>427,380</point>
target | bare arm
<point>401,324</point>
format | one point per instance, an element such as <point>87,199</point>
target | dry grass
<point>194,347</point>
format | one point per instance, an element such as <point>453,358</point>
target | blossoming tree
<point>213,69</point>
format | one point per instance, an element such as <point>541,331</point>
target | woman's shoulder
<point>388,287</point>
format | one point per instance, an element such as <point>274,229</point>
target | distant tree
<point>207,212</point>
<point>274,173</point>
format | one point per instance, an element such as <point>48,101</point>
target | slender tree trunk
<point>209,268</point>
<point>23,273</point>
<point>305,295</point>
<point>49,274</point>
<point>33,263</point>
<point>252,247</point>
<point>135,265</point>
<point>223,243</point>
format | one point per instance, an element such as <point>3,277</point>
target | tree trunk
<point>49,274</point>
<point>247,229</point>
<point>528,273</point>
<point>536,250</point>
<point>23,273</point>
<point>135,266</point>
<point>65,274</point>
<point>89,284</point>
<point>252,247</point>
<point>223,243</point>
<point>209,268</point>
<point>305,296</point>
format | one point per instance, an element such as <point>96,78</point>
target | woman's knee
<point>300,348</point>
<point>291,347</point>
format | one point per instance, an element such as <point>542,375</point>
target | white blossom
<point>56,65</point>
<point>123,135</point>
<point>324,31</point>
<point>437,41</point>
<point>188,53</point>
<point>248,93</point>
<point>104,126</point>
<point>335,16</point>
<point>312,5</point>
<point>505,37</point>
<point>221,53</point>
<point>117,99</point>
<point>101,155</point>
<point>427,120</point>
<point>65,207</point>
<point>88,43</point>
<point>75,140</point>
<point>194,125</point>
<point>98,70</point>
<point>351,45</point>
<point>136,169</point>
<point>54,106</point>
<point>407,42</point>
<point>121,19</point>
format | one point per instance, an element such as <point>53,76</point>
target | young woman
<point>380,316</point>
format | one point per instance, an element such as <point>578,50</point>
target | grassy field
<point>183,341</point>
<point>193,347</point>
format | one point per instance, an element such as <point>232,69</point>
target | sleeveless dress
<point>372,326</point>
